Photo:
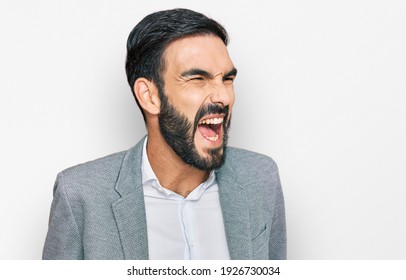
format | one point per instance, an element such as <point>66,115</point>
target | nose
<point>223,93</point>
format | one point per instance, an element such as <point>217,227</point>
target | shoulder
<point>242,156</point>
<point>98,178</point>
<point>248,167</point>
<point>93,180</point>
<point>95,170</point>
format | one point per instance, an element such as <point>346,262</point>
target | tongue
<point>206,131</point>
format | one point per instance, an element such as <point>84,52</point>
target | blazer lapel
<point>129,210</point>
<point>234,204</point>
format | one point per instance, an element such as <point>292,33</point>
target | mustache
<point>211,109</point>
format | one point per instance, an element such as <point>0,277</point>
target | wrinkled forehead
<point>206,52</point>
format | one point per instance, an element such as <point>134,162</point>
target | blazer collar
<point>129,210</point>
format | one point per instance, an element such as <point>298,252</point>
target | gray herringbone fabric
<point>98,209</point>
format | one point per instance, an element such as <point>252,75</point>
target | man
<point>179,193</point>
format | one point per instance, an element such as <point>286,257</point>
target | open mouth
<point>210,128</point>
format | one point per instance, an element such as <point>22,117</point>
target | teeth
<point>212,121</point>
<point>214,138</point>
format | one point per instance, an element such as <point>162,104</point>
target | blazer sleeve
<point>63,239</point>
<point>277,241</point>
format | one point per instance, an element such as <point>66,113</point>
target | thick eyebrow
<point>204,73</point>
<point>231,73</point>
<point>197,72</point>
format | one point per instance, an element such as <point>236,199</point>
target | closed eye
<point>230,76</point>
<point>229,80</point>
<point>197,78</point>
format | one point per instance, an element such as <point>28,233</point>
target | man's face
<point>198,98</point>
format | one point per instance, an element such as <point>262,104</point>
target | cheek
<point>191,103</point>
<point>230,106</point>
<point>232,97</point>
<point>188,105</point>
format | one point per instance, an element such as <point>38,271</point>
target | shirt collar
<point>149,177</point>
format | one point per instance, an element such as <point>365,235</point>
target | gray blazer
<point>98,208</point>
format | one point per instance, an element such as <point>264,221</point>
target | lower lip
<point>216,142</point>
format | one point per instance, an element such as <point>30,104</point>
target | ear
<point>146,93</point>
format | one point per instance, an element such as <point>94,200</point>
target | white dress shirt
<point>183,228</point>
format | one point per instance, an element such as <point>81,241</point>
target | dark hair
<point>152,35</point>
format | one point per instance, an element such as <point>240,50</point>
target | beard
<point>179,133</point>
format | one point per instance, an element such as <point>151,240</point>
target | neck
<point>171,171</point>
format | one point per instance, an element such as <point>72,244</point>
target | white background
<point>321,89</point>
